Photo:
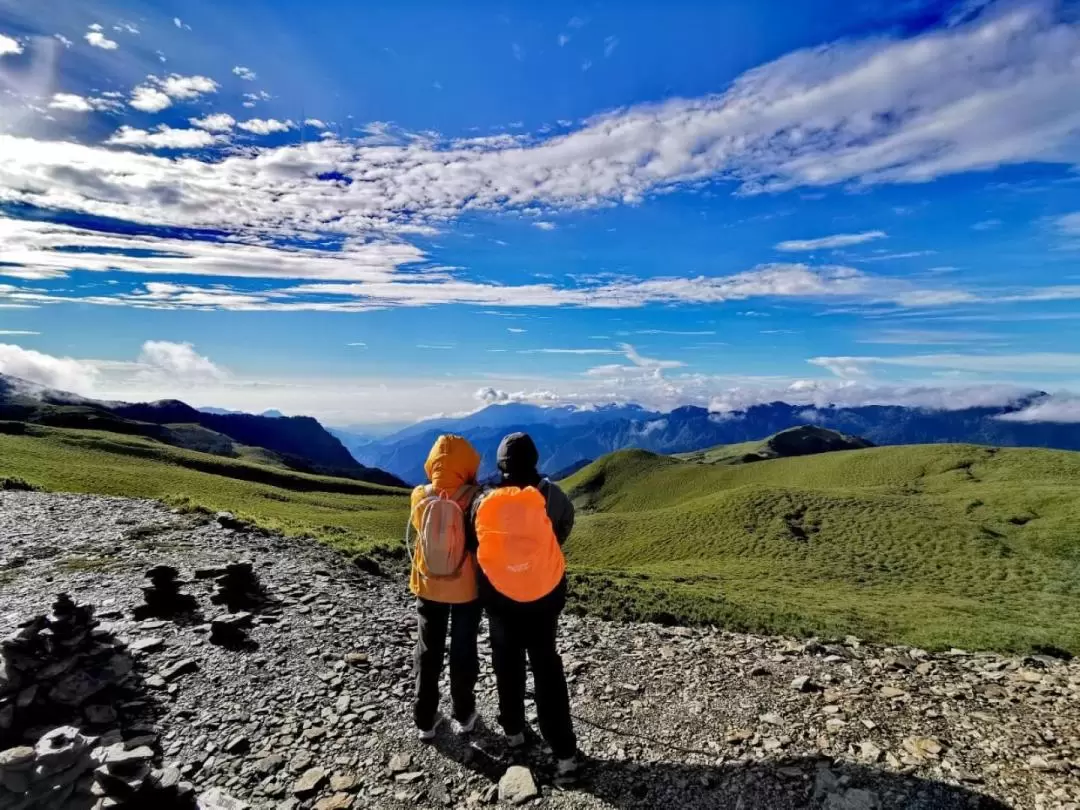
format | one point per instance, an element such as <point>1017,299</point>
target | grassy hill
<point>354,516</point>
<point>936,545</point>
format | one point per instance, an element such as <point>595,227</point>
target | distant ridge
<point>566,435</point>
<point>295,442</point>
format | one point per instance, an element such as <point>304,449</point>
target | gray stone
<point>309,783</point>
<point>15,758</point>
<point>179,669</point>
<point>517,785</point>
<point>217,799</point>
<point>399,763</point>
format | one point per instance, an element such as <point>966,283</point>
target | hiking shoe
<point>515,741</point>
<point>566,768</point>
<point>429,734</point>
<point>468,725</point>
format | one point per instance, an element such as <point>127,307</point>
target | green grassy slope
<point>355,516</point>
<point>936,545</point>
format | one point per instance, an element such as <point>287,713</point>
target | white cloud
<point>544,226</point>
<point>149,99</point>
<point>1062,408</point>
<point>9,46</point>
<point>179,361</point>
<point>986,225</point>
<point>244,73</point>
<point>64,373</point>
<point>514,331</point>
<point>563,39</point>
<point>67,43</point>
<point>99,40</point>
<point>315,122</point>
<point>33,246</point>
<point>69,102</point>
<point>610,44</point>
<point>827,242</point>
<point>1018,363</point>
<point>992,92</point>
<point>358,345</point>
<point>129,28</point>
<point>181,24</point>
<point>187,87</point>
<point>163,138</point>
<point>218,122</point>
<point>20,332</point>
<point>265,126</point>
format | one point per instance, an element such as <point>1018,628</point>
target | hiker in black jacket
<point>519,525</point>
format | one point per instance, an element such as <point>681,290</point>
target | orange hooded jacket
<point>451,464</point>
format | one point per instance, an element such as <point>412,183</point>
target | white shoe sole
<point>431,733</point>
<point>469,726</point>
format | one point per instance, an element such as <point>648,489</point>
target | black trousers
<point>520,630</point>
<point>432,620</point>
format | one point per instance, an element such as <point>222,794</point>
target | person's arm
<point>471,542</point>
<point>561,512</point>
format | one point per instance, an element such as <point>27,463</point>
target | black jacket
<point>517,460</point>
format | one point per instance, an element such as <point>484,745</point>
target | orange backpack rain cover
<point>518,551</point>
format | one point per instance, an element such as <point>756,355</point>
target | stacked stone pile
<point>163,597</point>
<point>67,770</point>
<point>59,668</point>
<point>238,588</point>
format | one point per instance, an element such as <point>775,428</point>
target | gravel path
<point>313,711</point>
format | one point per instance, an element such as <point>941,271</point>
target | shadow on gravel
<point>787,784</point>
<point>778,785</point>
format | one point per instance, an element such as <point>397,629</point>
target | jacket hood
<point>517,459</point>
<point>452,463</point>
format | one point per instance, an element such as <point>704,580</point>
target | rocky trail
<point>288,684</point>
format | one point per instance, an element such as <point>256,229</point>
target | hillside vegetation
<point>937,545</point>
<point>354,516</point>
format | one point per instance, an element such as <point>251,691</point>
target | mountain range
<point>567,436</point>
<point>295,442</point>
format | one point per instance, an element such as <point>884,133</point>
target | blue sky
<point>375,213</point>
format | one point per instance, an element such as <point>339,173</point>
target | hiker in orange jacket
<point>444,581</point>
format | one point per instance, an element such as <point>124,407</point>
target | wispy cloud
<point>610,44</point>
<point>544,226</point>
<point>916,337</point>
<point>70,102</point>
<point>986,225</point>
<point>839,240</point>
<point>1018,363</point>
<point>247,74</point>
<point>1070,224</point>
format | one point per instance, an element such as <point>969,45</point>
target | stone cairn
<point>57,668</point>
<point>163,596</point>
<point>68,770</point>
<point>63,668</point>
<point>237,588</point>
